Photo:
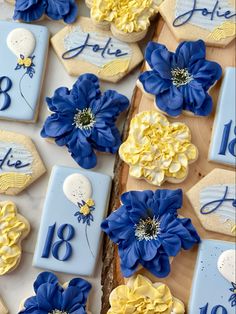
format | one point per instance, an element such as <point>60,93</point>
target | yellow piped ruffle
<point>127,15</point>
<point>12,231</point>
<point>115,67</point>
<point>13,180</point>
<point>157,149</point>
<point>225,30</point>
<point>140,295</point>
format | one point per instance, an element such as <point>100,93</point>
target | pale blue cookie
<point>223,148</point>
<point>23,57</point>
<point>70,235</point>
<point>211,292</point>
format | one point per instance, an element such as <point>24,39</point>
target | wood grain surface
<point>180,278</point>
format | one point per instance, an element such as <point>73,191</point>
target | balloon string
<point>86,234</point>
<point>20,87</point>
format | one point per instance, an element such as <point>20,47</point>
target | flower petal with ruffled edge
<point>29,10</point>
<point>102,134</point>
<point>50,296</point>
<point>176,92</point>
<point>154,251</point>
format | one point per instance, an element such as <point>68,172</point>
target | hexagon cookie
<point>213,199</point>
<point>212,21</point>
<point>3,307</point>
<point>20,163</point>
<point>82,48</point>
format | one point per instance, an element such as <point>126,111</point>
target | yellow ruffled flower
<point>158,150</point>
<point>140,295</point>
<point>90,202</point>
<point>27,62</point>
<point>127,15</point>
<point>85,210</point>
<point>13,228</point>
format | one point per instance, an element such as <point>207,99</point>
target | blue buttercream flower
<point>51,298</point>
<point>83,119</point>
<point>32,10</point>
<point>180,81</point>
<point>147,230</point>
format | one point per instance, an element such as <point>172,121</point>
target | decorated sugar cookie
<point>214,201</point>
<point>70,236</point>
<point>128,20</point>
<point>83,119</point>
<point>157,150</point>
<point>223,140</point>
<point>83,48</point>
<point>28,11</point>
<point>24,51</point>
<point>211,291</point>
<point>214,21</point>
<point>52,297</point>
<point>20,163</point>
<point>179,82</point>
<point>3,307</point>
<point>14,228</point>
<point>140,293</point>
<point>150,232</point>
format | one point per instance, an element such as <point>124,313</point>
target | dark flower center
<point>180,77</point>
<point>58,312</point>
<point>84,119</point>
<point>147,229</point>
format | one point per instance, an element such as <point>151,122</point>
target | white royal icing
<point>21,42</point>
<point>200,20</point>
<point>226,265</point>
<point>77,38</point>
<point>77,188</point>
<point>213,193</point>
<point>18,152</point>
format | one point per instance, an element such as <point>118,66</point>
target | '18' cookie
<point>70,235</point>
<point>23,54</point>
<point>20,163</point>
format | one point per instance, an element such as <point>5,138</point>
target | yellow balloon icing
<point>156,149</point>
<point>140,295</point>
<point>13,228</point>
<point>127,15</point>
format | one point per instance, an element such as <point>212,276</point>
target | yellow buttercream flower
<point>13,229</point>
<point>90,202</point>
<point>27,62</point>
<point>85,210</point>
<point>158,150</point>
<point>127,15</point>
<point>140,295</point>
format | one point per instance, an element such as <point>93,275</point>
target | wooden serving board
<point>180,279</point>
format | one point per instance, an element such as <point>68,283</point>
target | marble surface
<point>18,284</point>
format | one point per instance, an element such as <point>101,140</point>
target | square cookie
<point>223,142</point>
<point>84,48</point>
<point>70,235</point>
<point>23,55</point>
<point>210,290</point>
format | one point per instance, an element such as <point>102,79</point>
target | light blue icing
<point>18,109</point>
<point>18,152</point>
<point>58,209</point>
<point>209,286</point>
<point>226,210</point>
<point>224,114</point>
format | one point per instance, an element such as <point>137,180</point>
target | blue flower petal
<point>161,60</point>
<point>49,297</point>
<point>72,15</point>
<point>159,266</point>
<point>148,249</point>
<point>129,254</point>
<point>153,83</point>
<point>171,244</point>
<point>62,101</point>
<point>56,126</point>
<point>170,101</point>
<point>189,52</point>
<point>152,46</point>
<point>45,277</point>
<point>190,237</point>
<point>29,10</point>
<point>57,8</point>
